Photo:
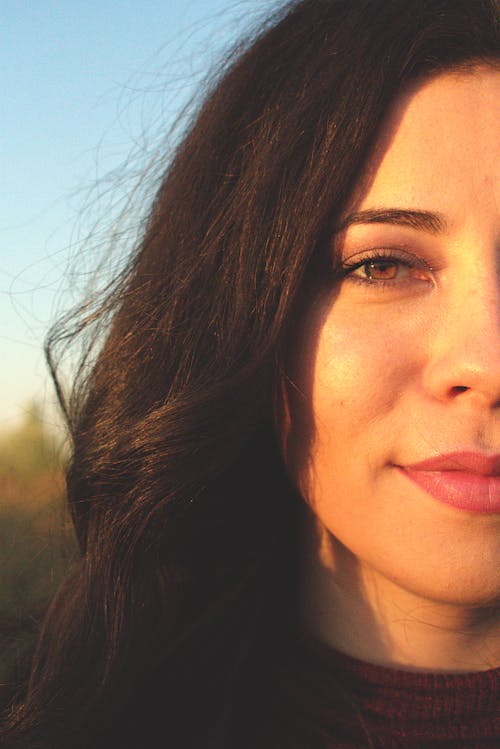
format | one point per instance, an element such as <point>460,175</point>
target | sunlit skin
<point>397,362</point>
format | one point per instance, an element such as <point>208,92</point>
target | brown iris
<point>381,270</point>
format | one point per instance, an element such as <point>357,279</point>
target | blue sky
<point>82,82</point>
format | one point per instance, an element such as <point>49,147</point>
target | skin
<point>386,375</point>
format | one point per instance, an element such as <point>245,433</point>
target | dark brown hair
<point>187,525</point>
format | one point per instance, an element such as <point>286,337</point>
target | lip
<point>465,480</point>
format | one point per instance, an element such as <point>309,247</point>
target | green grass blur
<point>36,540</point>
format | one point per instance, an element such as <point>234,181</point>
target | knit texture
<point>337,702</point>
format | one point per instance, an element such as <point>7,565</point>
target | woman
<point>285,470</point>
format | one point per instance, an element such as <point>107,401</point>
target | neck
<point>351,607</point>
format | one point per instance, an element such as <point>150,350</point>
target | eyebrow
<point>433,223</point>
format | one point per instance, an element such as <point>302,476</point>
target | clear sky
<point>82,81</point>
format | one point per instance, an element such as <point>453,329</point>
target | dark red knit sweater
<point>335,701</point>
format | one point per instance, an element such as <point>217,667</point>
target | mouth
<point>466,480</point>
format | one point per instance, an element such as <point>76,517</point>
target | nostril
<point>459,389</point>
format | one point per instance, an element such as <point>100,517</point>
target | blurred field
<point>36,540</point>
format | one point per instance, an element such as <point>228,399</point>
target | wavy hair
<point>188,528</point>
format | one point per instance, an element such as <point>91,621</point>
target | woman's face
<point>399,361</point>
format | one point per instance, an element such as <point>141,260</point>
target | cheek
<point>360,374</point>
<point>350,376</point>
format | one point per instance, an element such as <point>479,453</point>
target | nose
<point>465,351</point>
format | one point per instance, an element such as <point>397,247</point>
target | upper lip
<point>467,462</point>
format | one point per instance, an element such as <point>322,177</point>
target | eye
<point>384,268</point>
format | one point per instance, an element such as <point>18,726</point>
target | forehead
<point>439,145</point>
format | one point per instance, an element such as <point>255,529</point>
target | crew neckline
<point>336,696</point>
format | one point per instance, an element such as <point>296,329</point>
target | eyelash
<point>406,260</point>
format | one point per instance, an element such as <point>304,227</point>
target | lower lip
<point>465,491</point>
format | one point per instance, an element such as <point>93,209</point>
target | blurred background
<point>90,90</point>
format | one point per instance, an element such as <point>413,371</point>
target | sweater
<point>337,702</point>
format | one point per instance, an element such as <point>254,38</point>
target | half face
<point>392,431</point>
